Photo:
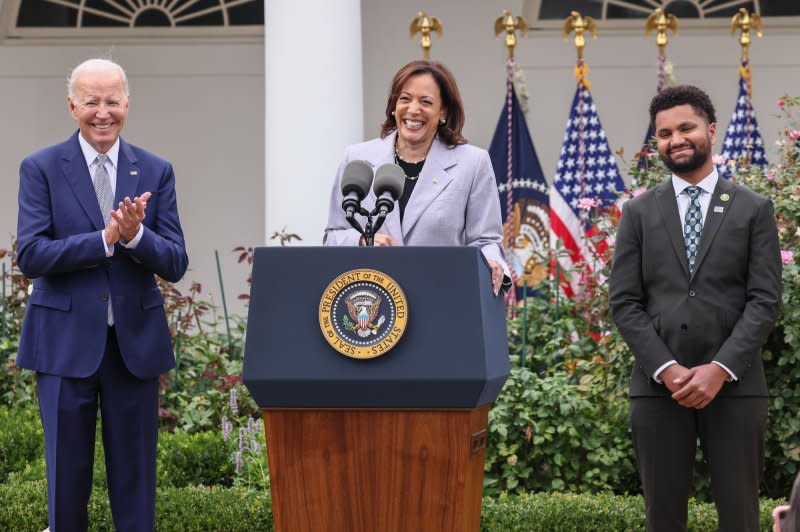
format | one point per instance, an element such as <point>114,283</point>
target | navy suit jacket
<point>59,246</point>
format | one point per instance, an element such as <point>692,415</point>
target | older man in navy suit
<point>98,220</point>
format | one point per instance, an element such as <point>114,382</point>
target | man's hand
<point>777,514</point>
<point>111,232</point>
<point>700,386</point>
<point>129,215</point>
<point>671,374</point>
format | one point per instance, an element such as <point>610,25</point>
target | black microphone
<point>356,180</point>
<point>390,180</point>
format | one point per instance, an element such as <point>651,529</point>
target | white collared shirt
<point>90,154</point>
<point>707,186</point>
<point>111,165</point>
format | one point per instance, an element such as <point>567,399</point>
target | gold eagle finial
<point>424,24</point>
<point>744,22</point>
<point>508,24</point>
<point>661,22</point>
<point>579,24</point>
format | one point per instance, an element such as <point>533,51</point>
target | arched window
<point>68,18</point>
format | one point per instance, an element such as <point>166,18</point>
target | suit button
<point>104,297</point>
<point>684,327</point>
<point>692,293</point>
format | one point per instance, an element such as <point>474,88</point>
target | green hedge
<point>569,512</point>
<point>193,508</point>
<point>183,459</point>
<point>21,439</point>
<point>233,509</point>
<point>193,459</point>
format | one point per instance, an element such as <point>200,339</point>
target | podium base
<point>376,470</point>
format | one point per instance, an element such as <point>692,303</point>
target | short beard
<point>697,160</point>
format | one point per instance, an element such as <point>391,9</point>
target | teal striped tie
<point>692,226</point>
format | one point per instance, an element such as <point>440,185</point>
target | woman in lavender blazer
<point>450,196</point>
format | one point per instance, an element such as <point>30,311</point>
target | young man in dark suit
<point>95,330</point>
<point>694,289</point>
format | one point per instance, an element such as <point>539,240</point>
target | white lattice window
<point>630,13</point>
<point>132,18</point>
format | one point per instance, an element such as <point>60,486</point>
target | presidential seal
<point>363,313</point>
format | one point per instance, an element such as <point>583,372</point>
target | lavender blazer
<point>455,202</point>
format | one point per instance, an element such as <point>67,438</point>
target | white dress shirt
<point>90,154</point>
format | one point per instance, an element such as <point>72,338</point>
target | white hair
<point>96,64</point>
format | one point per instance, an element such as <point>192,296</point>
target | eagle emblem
<point>363,307</point>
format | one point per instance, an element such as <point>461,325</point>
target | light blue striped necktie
<point>102,187</point>
<point>105,198</point>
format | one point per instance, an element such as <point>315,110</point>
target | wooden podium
<point>394,443</point>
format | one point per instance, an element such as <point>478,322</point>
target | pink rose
<point>770,176</point>
<point>718,159</point>
<point>787,257</point>
<point>586,204</point>
<point>781,229</point>
<point>794,135</point>
<point>797,233</point>
<point>781,103</point>
<point>639,191</point>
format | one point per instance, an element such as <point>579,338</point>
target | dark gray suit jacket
<point>723,312</point>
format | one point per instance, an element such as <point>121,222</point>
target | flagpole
<point>744,22</point>
<point>508,24</point>
<point>580,24</point>
<point>661,22</point>
<point>743,143</point>
<point>424,25</point>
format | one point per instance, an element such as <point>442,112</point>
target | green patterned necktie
<point>692,226</point>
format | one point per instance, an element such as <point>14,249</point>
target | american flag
<point>742,138</point>
<point>587,180</point>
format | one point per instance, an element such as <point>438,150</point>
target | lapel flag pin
<point>724,197</point>
<point>134,172</point>
<point>718,208</point>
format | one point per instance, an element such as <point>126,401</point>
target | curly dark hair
<point>450,131</point>
<point>682,95</point>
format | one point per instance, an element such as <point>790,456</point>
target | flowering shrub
<point>245,436</point>
<point>781,182</point>
<point>16,386</point>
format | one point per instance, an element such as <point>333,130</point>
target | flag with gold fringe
<point>587,181</point>
<point>523,192</point>
<point>743,145</point>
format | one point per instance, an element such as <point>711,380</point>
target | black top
<point>412,171</point>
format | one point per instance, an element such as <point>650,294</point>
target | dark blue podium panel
<point>453,354</point>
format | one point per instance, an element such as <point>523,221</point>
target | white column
<point>314,108</point>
